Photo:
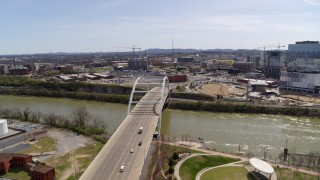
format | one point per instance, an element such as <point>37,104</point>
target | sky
<point>44,26</point>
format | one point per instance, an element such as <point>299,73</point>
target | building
<point>258,86</point>
<point>9,160</point>
<point>42,68</point>
<point>300,82</point>
<point>177,78</point>
<point>19,70</point>
<point>36,171</point>
<point>305,47</point>
<point>244,66</point>
<point>65,69</point>
<point>139,63</point>
<point>91,77</point>
<point>4,69</point>
<point>273,62</point>
<point>194,68</point>
<point>185,60</point>
<point>255,60</point>
<point>42,172</point>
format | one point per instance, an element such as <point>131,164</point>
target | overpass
<point>146,113</point>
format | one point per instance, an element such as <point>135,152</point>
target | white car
<point>122,168</point>
<point>131,150</point>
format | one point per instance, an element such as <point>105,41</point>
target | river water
<point>222,131</point>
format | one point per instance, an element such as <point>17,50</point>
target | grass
<point>232,172</point>
<point>45,144</point>
<point>284,173</point>
<point>168,150</point>
<point>192,166</point>
<point>17,173</point>
<point>83,156</point>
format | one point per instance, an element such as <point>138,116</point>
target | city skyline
<point>81,26</point>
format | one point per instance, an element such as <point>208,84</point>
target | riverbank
<point>16,85</point>
<point>199,102</point>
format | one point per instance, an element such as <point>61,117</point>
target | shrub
<point>175,156</point>
<point>171,170</point>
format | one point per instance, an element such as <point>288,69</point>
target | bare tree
<point>6,113</point>
<point>80,116</point>
<point>99,123</point>
<point>26,114</point>
<point>36,117</point>
<point>50,119</point>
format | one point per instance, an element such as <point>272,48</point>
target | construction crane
<point>133,51</point>
<point>271,46</point>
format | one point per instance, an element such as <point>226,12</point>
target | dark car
<point>139,144</point>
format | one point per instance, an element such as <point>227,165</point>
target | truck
<point>140,130</point>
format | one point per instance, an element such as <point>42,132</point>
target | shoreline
<point>185,104</point>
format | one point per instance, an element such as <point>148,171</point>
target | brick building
<point>177,78</point>
<point>42,172</point>
<point>8,160</point>
<point>36,171</point>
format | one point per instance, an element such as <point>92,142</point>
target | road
<point>116,152</point>
<point>12,141</point>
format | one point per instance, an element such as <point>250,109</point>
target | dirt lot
<point>68,140</point>
<point>218,89</point>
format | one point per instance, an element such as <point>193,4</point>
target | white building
<point>300,82</point>
<point>306,47</point>
<point>303,49</point>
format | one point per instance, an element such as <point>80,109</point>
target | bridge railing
<point>148,82</point>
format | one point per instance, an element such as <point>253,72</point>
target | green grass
<point>17,173</point>
<point>192,166</point>
<point>232,173</point>
<point>83,156</point>
<point>45,144</point>
<point>168,150</point>
<point>284,173</point>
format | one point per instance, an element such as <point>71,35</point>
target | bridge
<point>146,113</point>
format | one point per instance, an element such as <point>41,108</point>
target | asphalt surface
<point>16,148</point>
<point>6,143</point>
<point>116,152</point>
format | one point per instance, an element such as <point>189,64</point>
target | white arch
<point>164,83</point>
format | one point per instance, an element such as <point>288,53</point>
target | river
<point>222,131</point>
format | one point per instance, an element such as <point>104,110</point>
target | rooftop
<point>41,168</point>
<point>5,156</point>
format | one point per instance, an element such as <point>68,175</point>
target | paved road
<point>117,150</point>
<point>5,143</point>
<point>17,148</point>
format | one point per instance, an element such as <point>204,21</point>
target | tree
<point>99,123</point>
<point>175,156</point>
<point>80,116</point>
<point>26,114</point>
<point>171,162</point>
<point>171,170</point>
<point>50,119</point>
<point>36,117</point>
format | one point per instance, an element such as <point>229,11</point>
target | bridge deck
<point>116,152</point>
